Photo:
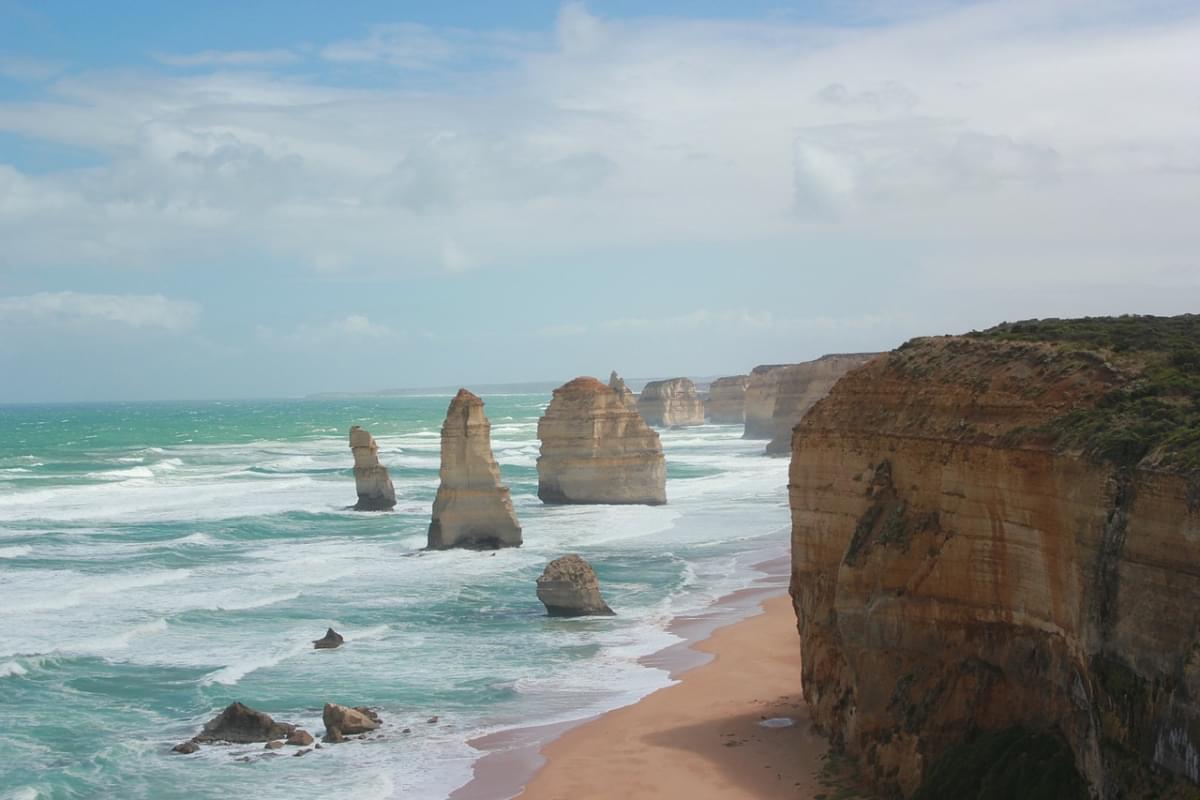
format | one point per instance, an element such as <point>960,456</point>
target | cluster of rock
<point>727,400</point>
<point>671,403</point>
<point>472,508</point>
<point>371,479</point>
<point>240,724</point>
<point>596,449</point>
<point>955,570</point>
<point>798,389</point>
<point>568,587</point>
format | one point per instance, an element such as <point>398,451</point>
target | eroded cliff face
<point>596,449</point>
<point>671,403</point>
<point>798,389</point>
<point>956,568</point>
<point>472,508</point>
<point>727,400</point>
<point>759,401</point>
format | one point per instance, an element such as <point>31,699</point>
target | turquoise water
<point>159,561</point>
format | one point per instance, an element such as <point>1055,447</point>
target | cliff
<point>759,402</point>
<point>798,389</point>
<point>472,509</point>
<point>371,479</point>
<point>1000,533</point>
<point>595,449</point>
<point>671,404</point>
<point>727,400</point>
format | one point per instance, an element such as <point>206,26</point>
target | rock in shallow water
<point>241,724</point>
<point>330,640</point>
<point>349,721</point>
<point>300,738</point>
<point>186,748</point>
<point>568,587</point>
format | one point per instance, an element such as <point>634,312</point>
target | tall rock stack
<point>671,404</point>
<point>472,508</point>
<point>800,387</point>
<point>761,390</point>
<point>595,449</point>
<point>371,480</point>
<point>617,384</point>
<point>727,400</point>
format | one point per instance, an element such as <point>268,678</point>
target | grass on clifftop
<point>1154,419</point>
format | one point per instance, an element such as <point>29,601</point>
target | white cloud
<point>1049,130</point>
<point>73,308</point>
<point>353,329</point>
<point>33,70</point>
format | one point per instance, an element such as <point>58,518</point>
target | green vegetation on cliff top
<point>1153,419</point>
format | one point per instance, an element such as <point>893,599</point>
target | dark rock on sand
<point>330,640</point>
<point>241,724</point>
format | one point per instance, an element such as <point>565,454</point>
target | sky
<point>269,199</point>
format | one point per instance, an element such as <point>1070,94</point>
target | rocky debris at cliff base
<point>348,721</point>
<point>300,738</point>
<point>329,641</point>
<point>371,479</point>
<point>241,724</point>
<point>671,403</point>
<point>568,587</point>
<point>594,449</point>
<point>472,508</point>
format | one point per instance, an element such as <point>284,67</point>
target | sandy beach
<point>701,738</point>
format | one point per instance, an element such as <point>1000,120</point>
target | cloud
<point>754,321</point>
<point>353,329</point>
<point>75,308</point>
<point>610,134</point>
<point>31,70</point>
<point>228,58</point>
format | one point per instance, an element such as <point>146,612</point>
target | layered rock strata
<point>798,389</point>
<point>472,508</point>
<point>617,384</point>
<point>758,403</point>
<point>671,404</point>
<point>568,587</point>
<point>595,449</point>
<point>727,400</point>
<point>966,555</point>
<point>371,480</point>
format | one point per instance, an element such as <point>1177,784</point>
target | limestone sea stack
<point>799,388</point>
<point>996,560</point>
<point>759,400</point>
<point>671,404</point>
<point>595,449</point>
<point>371,480</point>
<point>568,587</point>
<point>472,508</point>
<point>727,400</point>
<point>617,384</point>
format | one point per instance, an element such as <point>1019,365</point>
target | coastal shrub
<point>1153,419</point>
<point>1011,764</point>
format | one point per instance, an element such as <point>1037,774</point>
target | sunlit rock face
<point>371,480</point>
<point>672,403</point>
<point>472,508</point>
<point>595,449</point>
<point>956,566</point>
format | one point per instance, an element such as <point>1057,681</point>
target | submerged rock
<point>371,480</point>
<point>595,449</point>
<point>330,640</point>
<point>472,508</point>
<point>348,721</point>
<point>186,748</point>
<point>568,587</point>
<point>727,400</point>
<point>671,404</point>
<point>241,724</point>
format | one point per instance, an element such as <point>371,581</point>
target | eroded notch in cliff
<point>1106,582</point>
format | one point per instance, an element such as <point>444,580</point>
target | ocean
<point>159,561</point>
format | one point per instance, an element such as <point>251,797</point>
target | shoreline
<point>512,760</point>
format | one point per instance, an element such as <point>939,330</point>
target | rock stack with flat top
<point>472,509</point>
<point>371,480</point>
<point>727,400</point>
<point>671,404</point>
<point>595,449</point>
